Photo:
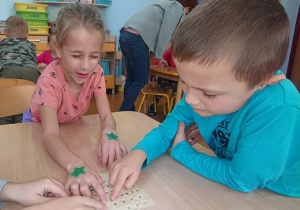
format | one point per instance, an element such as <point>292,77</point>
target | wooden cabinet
<point>110,53</point>
<point>40,42</point>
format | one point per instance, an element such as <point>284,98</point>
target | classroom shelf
<point>58,2</point>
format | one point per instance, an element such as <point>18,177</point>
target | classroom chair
<point>15,95</point>
<point>154,90</point>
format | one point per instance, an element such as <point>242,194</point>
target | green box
<point>34,22</point>
<point>33,15</point>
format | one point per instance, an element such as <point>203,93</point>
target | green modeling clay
<point>77,172</point>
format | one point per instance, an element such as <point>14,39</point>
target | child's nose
<point>85,64</point>
<point>192,98</point>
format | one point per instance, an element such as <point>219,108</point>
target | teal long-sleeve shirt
<point>256,147</point>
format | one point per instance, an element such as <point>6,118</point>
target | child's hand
<point>109,149</point>
<point>163,62</point>
<point>81,185</point>
<point>33,192</point>
<point>70,203</point>
<point>192,134</point>
<point>41,66</point>
<point>180,136</point>
<point>123,173</point>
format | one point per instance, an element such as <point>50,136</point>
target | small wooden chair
<point>172,101</point>
<point>15,95</point>
<point>155,90</point>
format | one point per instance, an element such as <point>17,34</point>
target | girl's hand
<point>33,192</point>
<point>180,136</point>
<point>109,149</point>
<point>80,186</point>
<point>123,173</point>
<point>163,63</point>
<point>70,203</point>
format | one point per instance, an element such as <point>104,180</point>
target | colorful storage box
<point>103,2</point>
<point>30,7</point>
<point>33,15</point>
<point>34,22</point>
<point>105,66</point>
<point>38,29</point>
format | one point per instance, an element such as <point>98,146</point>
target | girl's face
<point>80,55</point>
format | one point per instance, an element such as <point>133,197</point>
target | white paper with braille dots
<point>132,199</point>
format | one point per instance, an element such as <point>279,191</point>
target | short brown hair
<point>79,15</point>
<point>16,26</point>
<point>253,35</point>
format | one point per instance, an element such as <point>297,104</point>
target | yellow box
<point>110,47</point>
<point>109,81</point>
<point>38,29</point>
<point>31,7</point>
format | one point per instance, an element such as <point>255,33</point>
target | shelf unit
<point>110,53</point>
<point>60,2</point>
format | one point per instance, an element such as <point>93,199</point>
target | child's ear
<point>275,79</point>
<point>26,36</point>
<point>272,81</point>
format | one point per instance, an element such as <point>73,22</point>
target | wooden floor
<point>116,100</point>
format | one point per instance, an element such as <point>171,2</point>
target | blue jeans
<point>137,61</point>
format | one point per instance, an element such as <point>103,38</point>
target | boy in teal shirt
<point>227,55</point>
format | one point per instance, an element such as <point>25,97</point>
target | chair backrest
<point>15,95</point>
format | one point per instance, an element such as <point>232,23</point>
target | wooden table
<point>168,73</point>
<point>168,183</point>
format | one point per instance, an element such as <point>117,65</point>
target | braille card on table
<point>132,199</point>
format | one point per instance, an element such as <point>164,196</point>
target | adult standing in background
<point>149,29</point>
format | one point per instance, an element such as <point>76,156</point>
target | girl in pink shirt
<point>44,59</point>
<point>64,91</point>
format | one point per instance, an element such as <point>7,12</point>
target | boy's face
<point>212,89</point>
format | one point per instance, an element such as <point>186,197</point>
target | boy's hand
<point>33,192</point>
<point>192,134</point>
<point>110,150</point>
<point>123,173</point>
<point>180,136</point>
<point>163,63</point>
<point>81,185</point>
<point>70,203</point>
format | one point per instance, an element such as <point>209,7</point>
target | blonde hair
<point>79,15</point>
<point>16,26</point>
<point>253,35</point>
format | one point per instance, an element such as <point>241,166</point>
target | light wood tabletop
<point>168,183</point>
<point>168,73</point>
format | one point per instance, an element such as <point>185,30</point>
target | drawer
<point>109,81</point>
<point>110,47</point>
<point>40,42</point>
